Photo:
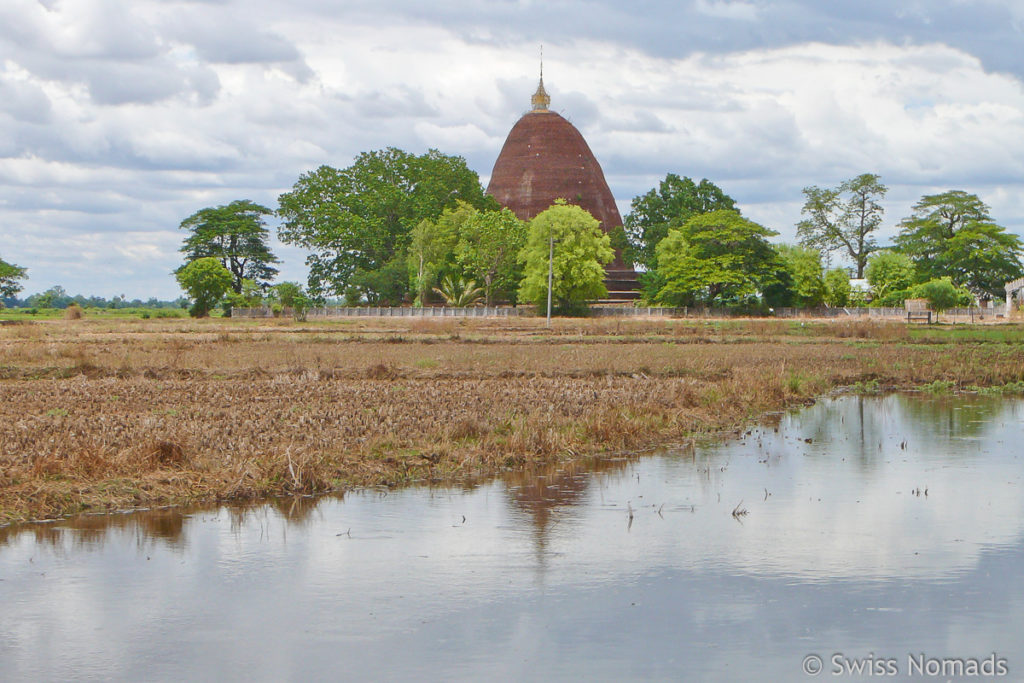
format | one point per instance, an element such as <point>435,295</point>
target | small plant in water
<point>939,386</point>
<point>869,387</point>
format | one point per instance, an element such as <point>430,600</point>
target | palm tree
<point>461,292</point>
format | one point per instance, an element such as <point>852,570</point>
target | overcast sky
<point>119,118</point>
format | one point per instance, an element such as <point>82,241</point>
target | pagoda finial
<point>540,99</point>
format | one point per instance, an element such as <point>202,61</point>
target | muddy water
<point>887,528</point>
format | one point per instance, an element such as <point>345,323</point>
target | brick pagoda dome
<point>545,158</point>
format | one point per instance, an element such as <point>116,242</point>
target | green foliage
<point>432,249</point>
<point>941,294</point>
<point>939,386</point>
<point>251,296</point>
<point>358,220</point>
<point>385,286</point>
<point>291,295</point>
<point>895,298</point>
<point>459,292</point>
<point>715,258</point>
<point>236,235</point>
<point>581,251</point>
<point>842,219</point>
<point>488,249</point>
<point>205,280</point>
<point>799,279</point>
<point>837,288</point>
<point>10,274</point>
<point>952,235</point>
<point>675,201</point>
<point>889,271</point>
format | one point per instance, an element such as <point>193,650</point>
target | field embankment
<point>99,414</point>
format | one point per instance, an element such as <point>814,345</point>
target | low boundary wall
<point>959,314</point>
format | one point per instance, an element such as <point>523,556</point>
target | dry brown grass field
<point>98,415</point>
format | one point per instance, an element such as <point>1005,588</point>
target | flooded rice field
<point>861,537</point>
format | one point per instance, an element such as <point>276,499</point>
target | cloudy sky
<point>119,118</point>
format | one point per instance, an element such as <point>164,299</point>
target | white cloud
<point>128,127</point>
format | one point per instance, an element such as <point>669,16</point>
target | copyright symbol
<point>812,665</point>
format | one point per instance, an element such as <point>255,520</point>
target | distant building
<point>545,158</point>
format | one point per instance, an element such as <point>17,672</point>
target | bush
<point>942,294</point>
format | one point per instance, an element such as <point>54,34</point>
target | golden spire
<point>540,99</point>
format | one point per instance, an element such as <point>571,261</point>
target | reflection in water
<point>546,492</point>
<point>628,568</point>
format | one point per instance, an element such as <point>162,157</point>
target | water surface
<point>881,527</point>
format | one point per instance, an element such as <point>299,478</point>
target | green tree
<point>54,297</point>
<point>360,219</point>
<point>10,275</point>
<point>488,248</point>
<point>205,280</point>
<point>889,271</point>
<point>952,235</point>
<point>940,293</point>
<point>800,279</point>
<point>675,201</point>
<point>837,288</point>
<point>580,252</point>
<point>384,286</point>
<point>843,219</point>
<point>714,259</point>
<point>291,295</point>
<point>236,235</point>
<point>432,248</point>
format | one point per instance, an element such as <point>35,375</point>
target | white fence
<point>612,312</point>
<point>389,312</point>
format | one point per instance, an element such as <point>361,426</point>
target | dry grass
<point>112,415</point>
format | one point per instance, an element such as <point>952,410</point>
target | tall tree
<point>360,218</point>
<point>488,249</point>
<point>843,219</point>
<point>432,248</point>
<point>236,235</point>
<point>578,251</point>
<point>952,235</point>
<point>675,201</point>
<point>10,275</point>
<point>715,258</point>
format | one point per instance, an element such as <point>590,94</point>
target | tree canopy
<point>837,287</point>
<point>205,280</point>
<point>236,235</point>
<point>10,275</point>
<point>432,248</point>
<point>359,220</point>
<point>580,253</point>
<point>488,249</point>
<point>714,259</point>
<point>843,218</point>
<point>952,235</point>
<point>889,271</point>
<point>800,278</point>
<point>675,201</point>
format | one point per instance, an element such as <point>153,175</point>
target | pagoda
<point>545,158</point>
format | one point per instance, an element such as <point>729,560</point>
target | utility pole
<point>551,268</point>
